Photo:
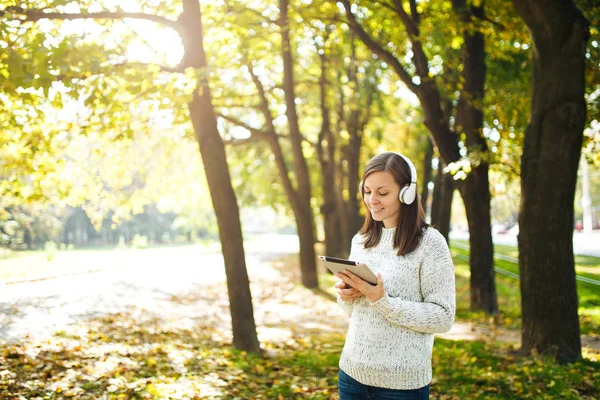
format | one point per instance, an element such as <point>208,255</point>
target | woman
<point>387,354</point>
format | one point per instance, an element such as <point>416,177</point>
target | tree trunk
<point>342,213</point>
<point>476,196</point>
<point>551,152</point>
<point>293,195</point>
<point>222,194</point>
<point>445,210</point>
<point>326,155</point>
<point>306,231</point>
<point>426,176</point>
<point>353,126</point>
<point>28,239</point>
<point>441,202</point>
<point>341,174</point>
<point>354,197</point>
<point>475,190</point>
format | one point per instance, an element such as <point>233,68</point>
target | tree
<point>549,166</point>
<point>201,112</point>
<point>255,43</point>
<point>419,78</point>
<point>349,103</point>
<point>306,230</point>
<point>326,152</point>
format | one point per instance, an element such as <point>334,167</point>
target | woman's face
<point>381,196</point>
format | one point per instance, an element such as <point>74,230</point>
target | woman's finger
<point>354,280</point>
<point>343,277</point>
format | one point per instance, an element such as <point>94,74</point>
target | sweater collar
<point>387,234</point>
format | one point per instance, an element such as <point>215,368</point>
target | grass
<point>137,355</point>
<point>131,357</point>
<point>586,266</point>
<point>509,297</point>
<point>480,370</point>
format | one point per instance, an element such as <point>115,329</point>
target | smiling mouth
<point>376,209</point>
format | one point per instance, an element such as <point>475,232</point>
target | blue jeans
<point>351,389</point>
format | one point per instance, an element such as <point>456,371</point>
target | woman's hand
<point>347,293</point>
<point>373,292</point>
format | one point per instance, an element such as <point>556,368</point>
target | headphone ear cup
<point>360,188</point>
<point>402,194</point>
<point>409,193</point>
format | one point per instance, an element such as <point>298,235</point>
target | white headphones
<point>409,192</point>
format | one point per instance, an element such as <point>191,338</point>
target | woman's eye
<point>383,194</point>
<point>367,192</point>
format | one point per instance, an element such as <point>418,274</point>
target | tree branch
<point>231,8</point>
<point>23,14</point>
<point>254,131</point>
<point>264,103</point>
<point>377,48</point>
<point>415,14</point>
<point>411,27</point>
<point>163,68</point>
<point>420,59</point>
<point>71,77</point>
<point>241,142</point>
<point>386,5</point>
<point>235,105</point>
<point>486,19</point>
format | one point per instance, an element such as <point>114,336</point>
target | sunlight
<point>152,39</point>
<point>151,42</point>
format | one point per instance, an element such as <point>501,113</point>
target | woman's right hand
<point>347,294</point>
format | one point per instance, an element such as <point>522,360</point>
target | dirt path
<point>189,284</point>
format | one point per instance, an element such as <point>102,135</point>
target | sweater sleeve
<point>435,314</point>
<point>347,306</point>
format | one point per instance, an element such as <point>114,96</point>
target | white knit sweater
<point>389,342</point>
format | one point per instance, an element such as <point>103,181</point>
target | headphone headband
<point>408,193</point>
<point>411,166</point>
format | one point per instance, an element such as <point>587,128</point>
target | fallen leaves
<point>142,355</point>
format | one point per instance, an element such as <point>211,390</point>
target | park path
<point>187,284</point>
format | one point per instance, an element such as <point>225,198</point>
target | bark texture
<point>222,194</point>
<point>305,221</point>
<point>441,203</point>
<point>551,153</point>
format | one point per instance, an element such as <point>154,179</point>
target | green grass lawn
<point>509,297</point>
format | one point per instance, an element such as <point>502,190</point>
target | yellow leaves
<point>259,369</point>
<point>457,42</point>
<point>151,361</point>
<point>459,169</point>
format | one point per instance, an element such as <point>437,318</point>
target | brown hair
<point>411,220</point>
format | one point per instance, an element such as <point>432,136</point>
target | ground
<point>155,323</point>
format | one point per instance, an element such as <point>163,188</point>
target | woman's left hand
<point>373,292</point>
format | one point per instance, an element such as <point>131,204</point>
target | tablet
<point>336,265</point>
